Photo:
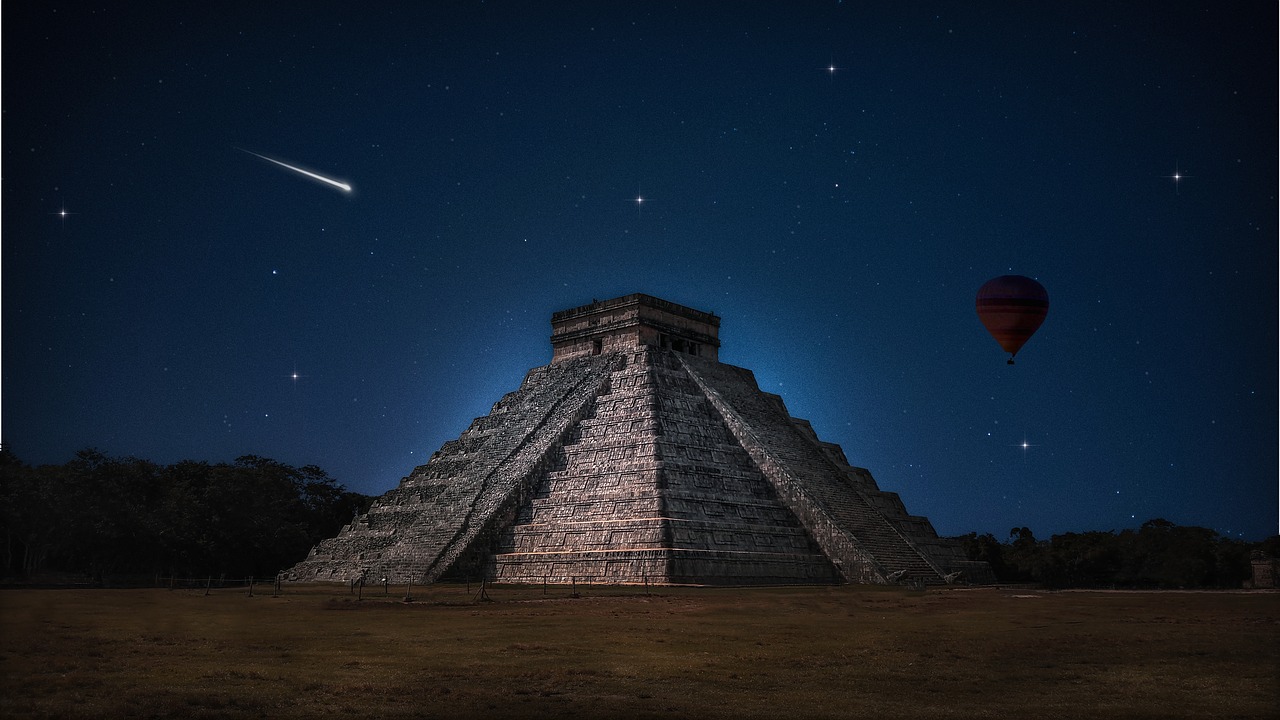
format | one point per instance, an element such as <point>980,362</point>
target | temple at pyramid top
<point>635,456</point>
<point>629,322</point>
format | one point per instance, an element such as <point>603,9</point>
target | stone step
<point>806,461</point>
<point>627,457</point>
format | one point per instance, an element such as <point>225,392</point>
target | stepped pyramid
<point>636,456</point>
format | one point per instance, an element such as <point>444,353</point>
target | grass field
<point>619,653</point>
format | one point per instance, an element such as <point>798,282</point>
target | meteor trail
<point>341,186</point>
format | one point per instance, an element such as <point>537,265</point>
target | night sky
<point>835,180</point>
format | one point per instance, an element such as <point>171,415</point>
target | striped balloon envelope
<point>1012,308</point>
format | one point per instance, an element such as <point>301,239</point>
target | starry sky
<point>834,180</point>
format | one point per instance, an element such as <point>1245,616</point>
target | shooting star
<point>344,187</point>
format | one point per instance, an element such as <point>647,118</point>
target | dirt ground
<point>800,652</point>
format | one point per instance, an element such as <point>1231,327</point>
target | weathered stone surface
<point>1266,571</point>
<point>633,321</point>
<point>637,457</point>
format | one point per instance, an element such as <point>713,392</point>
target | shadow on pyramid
<point>637,457</point>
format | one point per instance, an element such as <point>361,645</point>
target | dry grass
<point>617,653</point>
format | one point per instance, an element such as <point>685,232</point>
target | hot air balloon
<point>1012,307</point>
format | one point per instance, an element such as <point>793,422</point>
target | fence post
<point>208,584</point>
<point>250,586</point>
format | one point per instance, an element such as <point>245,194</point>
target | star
<point>1025,445</point>
<point>1177,177</point>
<point>62,214</point>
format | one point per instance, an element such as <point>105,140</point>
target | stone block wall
<point>629,323</point>
<point>415,530</point>
<point>865,545</point>
<point>643,465</point>
<point>653,488</point>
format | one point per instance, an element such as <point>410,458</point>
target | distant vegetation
<point>103,516</point>
<point>1160,554</point>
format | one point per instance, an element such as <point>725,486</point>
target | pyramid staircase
<point>645,466</point>
<point>861,540</point>
<point>653,488</point>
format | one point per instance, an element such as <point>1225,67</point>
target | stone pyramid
<point>636,456</point>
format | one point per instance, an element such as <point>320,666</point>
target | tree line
<point>105,516</point>
<point>1160,554</point>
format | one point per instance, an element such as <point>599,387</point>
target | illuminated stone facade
<point>636,456</point>
<point>631,322</point>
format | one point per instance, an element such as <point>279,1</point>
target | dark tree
<point>99,515</point>
<point>1159,554</point>
<point>27,510</point>
<point>1080,560</point>
<point>988,549</point>
<point>1024,556</point>
<point>1163,554</point>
